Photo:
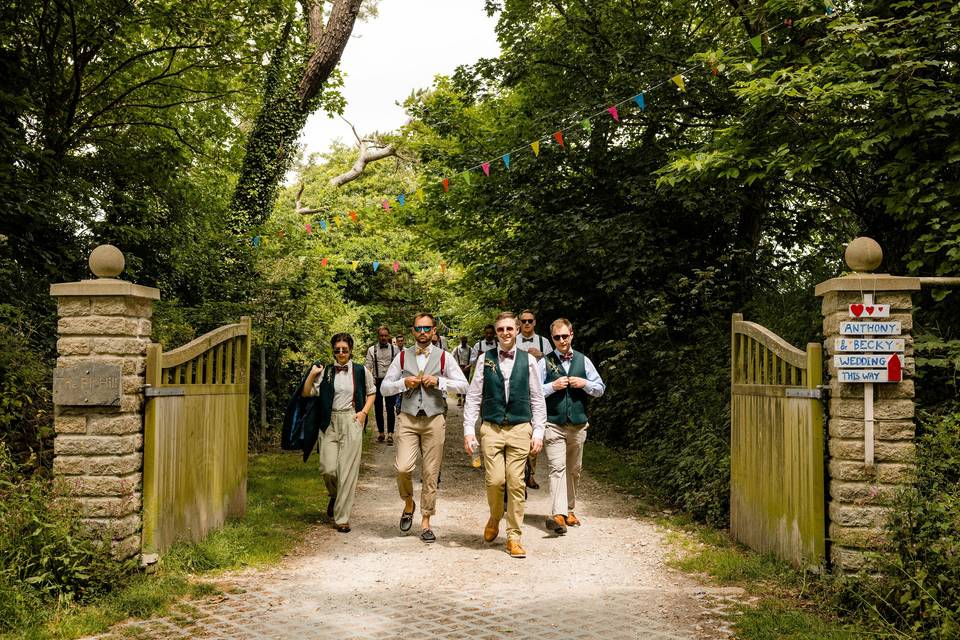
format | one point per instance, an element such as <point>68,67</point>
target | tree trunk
<point>290,91</point>
<point>263,390</point>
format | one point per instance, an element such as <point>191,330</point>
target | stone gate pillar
<point>104,329</point>
<point>859,492</point>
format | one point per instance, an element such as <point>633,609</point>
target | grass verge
<point>284,496</point>
<point>783,603</point>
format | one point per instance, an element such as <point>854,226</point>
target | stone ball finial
<point>863,254</point>
<point>106,261</point>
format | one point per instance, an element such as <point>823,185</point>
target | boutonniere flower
<point>330,372</point>
<point>555,368</point>
<point>490,364</point>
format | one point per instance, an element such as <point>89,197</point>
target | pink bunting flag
<point>309,229</point>
<point>486,168</point>
<point>386,205</point>
<point>446,185</point>
<point>396,266</point>
<point>558,136</point>
<point>614,113</point>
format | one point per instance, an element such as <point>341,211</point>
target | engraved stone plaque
<point>95,384</point>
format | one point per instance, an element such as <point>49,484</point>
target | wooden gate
<point>195,436</point>
<point>776,445</point>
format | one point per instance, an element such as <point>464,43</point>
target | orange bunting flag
<point>282,233</point>
<point>614,113</point>
<point>536,147</point>
<point>353,216</point>
<point>678,80</point>
<point>446,185</point>
<point>443,267</point>
<point>323,263</point>
<point>558,136</point>
<point>486,168</point>
<point>396,266</point>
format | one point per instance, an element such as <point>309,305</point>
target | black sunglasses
<point>527,321</point>
<point>562,336</point>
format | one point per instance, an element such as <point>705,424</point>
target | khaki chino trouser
<point>420,436</point>
<point>563,445</point>
<point>505,450</point>
<point>340,448</point>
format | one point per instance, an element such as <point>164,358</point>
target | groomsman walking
<point>569,381</point>
<point>535,345</point>
<point>424,374</point>
<point>379,357</point>
<point>506,393</point>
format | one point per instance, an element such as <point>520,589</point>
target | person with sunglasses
<point>535,345</point>
<point>345,392</point>
<point>506,393</point>
<point>379,357</point>
<point>569,381</point>
<point>424,374</point>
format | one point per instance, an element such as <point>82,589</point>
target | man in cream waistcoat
<point>569,381</point>
<point>424,374</point>
<point>506,392</point>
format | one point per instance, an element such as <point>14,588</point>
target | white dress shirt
<point>536,341</point>
<point>343,388</point>
<point>595,386</point>
<point>451,377</point>
<point>538,408</point>
<point>481,347</point>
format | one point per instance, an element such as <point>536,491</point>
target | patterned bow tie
<point>567,357</point>
<point>506,355</point>
<point>526,340</point>
<point>423,351</point>
<point>340,368</point>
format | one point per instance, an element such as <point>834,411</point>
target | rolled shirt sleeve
<point>371,384</point>
<point>471,407</point>
<point>452,378</point>
<point>595,386</point>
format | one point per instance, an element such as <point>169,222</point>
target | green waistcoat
<point>567,406</point>
<point>495,407</point>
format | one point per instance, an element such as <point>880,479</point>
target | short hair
<point>383,327</point>
<point>341,337</point>
<point>507,315</point>
<point>561,321</point>
<point>489,326</point>
<point>424,314</point>
<point>530,311</point>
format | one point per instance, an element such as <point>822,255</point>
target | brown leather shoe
<point>557,524</point>
<point>515,549</point>
<point>572,520</point>
<point>491,531</point>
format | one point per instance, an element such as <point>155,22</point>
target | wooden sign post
<point>867,359</point>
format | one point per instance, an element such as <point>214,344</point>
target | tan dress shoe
<point>572,520</point>
<point>515,549</point>
<point>557,524</point>
<point>491,531</point>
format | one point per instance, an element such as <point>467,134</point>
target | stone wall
<point>98,450</point>
<point>860,494</point>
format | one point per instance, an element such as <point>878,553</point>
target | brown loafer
<point>515,549</point>
<point>491,531</point>
<point>557,524</point>
<point>343,528</point>
<point>572,520</point>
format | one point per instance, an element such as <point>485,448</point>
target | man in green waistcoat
<point>569,381</point>
<point>506,393</point>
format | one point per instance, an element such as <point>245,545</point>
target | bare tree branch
<point>329,48</point>
<point>370,151</point>
<point>302,210</point>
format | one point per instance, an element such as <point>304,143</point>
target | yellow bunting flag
<point>420,194</point>
<point>355,263</point>
<point>678,79</point>
<point>536,147</point>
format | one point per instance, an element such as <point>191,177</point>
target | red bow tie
<point>341,368</point>
<point>567,357</point>
<point>506,355</point>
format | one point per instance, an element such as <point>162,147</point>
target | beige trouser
<point>505,451</point>
<point>340,448</point>
<point>416,437</point>
<point>563,445</point>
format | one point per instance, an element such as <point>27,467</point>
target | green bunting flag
<point>757,44</point>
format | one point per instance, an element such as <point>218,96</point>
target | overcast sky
<point>402,49</point>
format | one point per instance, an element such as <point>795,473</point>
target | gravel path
<point>606,579</point>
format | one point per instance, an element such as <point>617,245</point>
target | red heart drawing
<point>856,309</point>
<point>894,371</point>
<point>869,311</point>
